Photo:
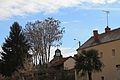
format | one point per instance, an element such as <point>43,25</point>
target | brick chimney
<point>107,29</point>
<point>96,35</point>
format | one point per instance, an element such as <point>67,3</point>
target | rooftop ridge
<point>104,37</point>
<point>110,31</point>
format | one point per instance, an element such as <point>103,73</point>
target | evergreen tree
<point>15,50</point>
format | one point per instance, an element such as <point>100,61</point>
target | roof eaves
<point>99,44</point>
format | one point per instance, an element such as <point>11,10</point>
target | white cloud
<point>111,1</point>
<point>64,51</point>
<point>10,8</point>
<point>72,21</point>
<point>94,1</point>
<point>0,48</point>
<point>0,51</point>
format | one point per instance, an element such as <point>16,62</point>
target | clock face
<point>57,54</point>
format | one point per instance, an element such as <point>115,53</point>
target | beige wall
<point>69,64</point>
<point>109,71</point>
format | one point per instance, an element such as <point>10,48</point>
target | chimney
<point>96,35</point>
<point>107,29</point>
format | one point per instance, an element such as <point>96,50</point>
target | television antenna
<point>107,14</point>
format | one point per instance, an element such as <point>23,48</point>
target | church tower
<point>58,54</point>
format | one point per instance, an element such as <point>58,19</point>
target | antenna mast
<point>107,14</point>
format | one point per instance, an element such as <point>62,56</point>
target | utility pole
<point>107,15</point>
<point>78,42</point>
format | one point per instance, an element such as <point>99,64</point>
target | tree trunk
<point>89,75</point>
<point>49,53</point>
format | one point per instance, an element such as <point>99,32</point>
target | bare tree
<point>43,35</point>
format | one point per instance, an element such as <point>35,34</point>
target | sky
<point>79,17</point>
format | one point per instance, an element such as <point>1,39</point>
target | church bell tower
<point>58,54</point>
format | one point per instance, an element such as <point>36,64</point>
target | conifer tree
<point>15,50</point>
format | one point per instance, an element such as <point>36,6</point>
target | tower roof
<point>57,51</point>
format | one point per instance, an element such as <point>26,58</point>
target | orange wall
<point>109,71</point>
<point>69,64</point>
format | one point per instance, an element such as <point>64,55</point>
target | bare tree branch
<point>43,35</point>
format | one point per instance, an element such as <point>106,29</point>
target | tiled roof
<point>60,61</point>
<point>103,38</point>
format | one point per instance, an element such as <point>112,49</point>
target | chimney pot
<point>107,29</point>
<point>96,35</point>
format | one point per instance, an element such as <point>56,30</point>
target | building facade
<point>108,46</point>
<point>62,67</point>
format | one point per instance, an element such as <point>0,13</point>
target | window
<point>66,68</point>
<point>102,77</point>
<point>101,54</point>
<point>113,52</point>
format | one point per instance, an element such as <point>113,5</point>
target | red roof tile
<point>60,61</point>
<point>103,38</point>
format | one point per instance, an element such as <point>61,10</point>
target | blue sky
<point>79,17</point>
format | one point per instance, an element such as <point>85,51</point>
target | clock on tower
<point>57,52</point>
